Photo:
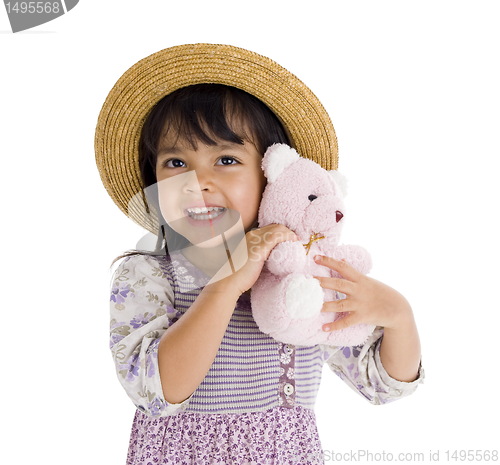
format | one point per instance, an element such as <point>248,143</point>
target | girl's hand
<point>372,302</point>
<point>260,242</point>
<point>367,300</point>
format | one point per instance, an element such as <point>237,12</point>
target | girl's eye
<point>177,163</point>
<point>173,163</point>
<point>228,160</point>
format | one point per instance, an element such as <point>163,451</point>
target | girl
<point>209,387</point>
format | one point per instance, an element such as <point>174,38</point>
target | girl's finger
<point>349,319</point>
<point>338,306</point>
<point>336,284</point>
<point>340,266</point>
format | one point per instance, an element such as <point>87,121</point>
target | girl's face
<point>208,190</point>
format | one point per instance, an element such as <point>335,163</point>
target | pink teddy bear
<point>286,299</point>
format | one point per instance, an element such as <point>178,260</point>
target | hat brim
<point>143,85</point>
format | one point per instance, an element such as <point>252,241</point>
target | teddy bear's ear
<point>339,182</point>
<point>276,159</point>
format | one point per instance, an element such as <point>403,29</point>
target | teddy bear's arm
<point>355,255</point>
<point>286,258</point>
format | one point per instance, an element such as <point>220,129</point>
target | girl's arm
<point>400,347</point>
<point>158,362</point>
<point>188,348</point>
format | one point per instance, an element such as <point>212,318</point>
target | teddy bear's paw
<point>356,256</point>
<point>285,258</point>
<point>304,298</point>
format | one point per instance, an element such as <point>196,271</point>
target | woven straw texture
<point>148,81</point>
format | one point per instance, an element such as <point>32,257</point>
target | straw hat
<point>149,80</point>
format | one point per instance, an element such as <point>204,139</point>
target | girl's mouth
<point>201,224</point>
<point>204,213</point>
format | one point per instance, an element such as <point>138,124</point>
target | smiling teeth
<point>204,209</point>
<point>204,213</point>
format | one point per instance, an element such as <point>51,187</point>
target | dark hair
<point>205,113</point>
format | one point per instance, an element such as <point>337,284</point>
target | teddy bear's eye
<point>312,197</point>
<point>339,215</point>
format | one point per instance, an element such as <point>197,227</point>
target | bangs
<point>206,115</point>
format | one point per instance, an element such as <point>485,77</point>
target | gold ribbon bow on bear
<point>313,238</point>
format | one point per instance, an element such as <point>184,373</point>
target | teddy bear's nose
<point>339,215</point>
<point>312,197</point>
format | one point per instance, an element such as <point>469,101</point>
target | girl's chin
<point>208,243</point>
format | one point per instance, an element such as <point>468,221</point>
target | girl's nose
<point>197,181</point>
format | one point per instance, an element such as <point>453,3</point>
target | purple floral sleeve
<point>360,367</point>
<point>141,311</point>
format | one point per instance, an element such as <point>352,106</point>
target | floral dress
<point>256,404</point>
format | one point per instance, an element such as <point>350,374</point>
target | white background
<point>412,89</point>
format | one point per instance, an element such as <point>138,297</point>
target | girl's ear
<point>276,159</point>
<point>339,182</point>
